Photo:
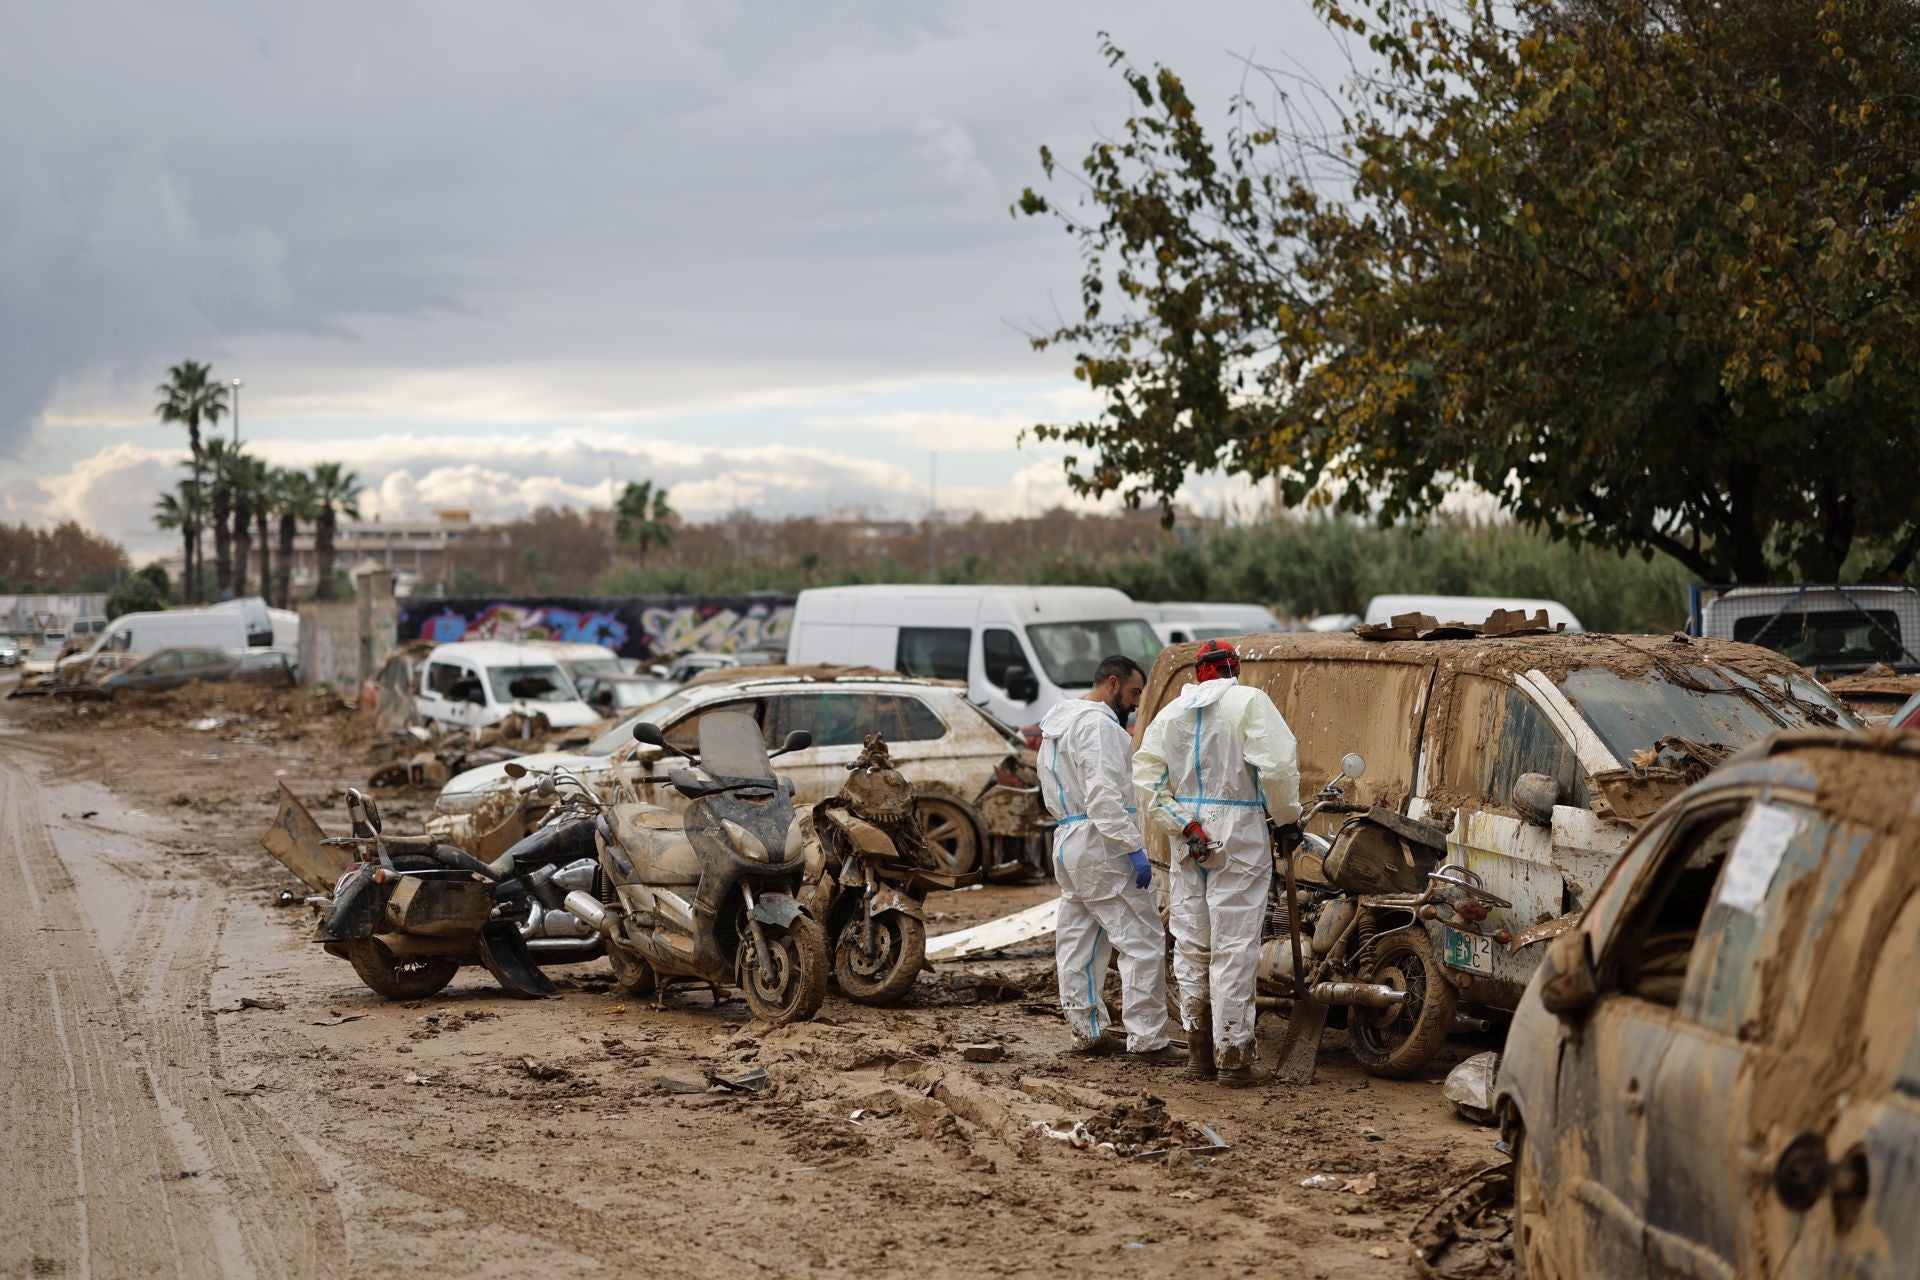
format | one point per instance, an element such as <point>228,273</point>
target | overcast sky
<point>494,255</point>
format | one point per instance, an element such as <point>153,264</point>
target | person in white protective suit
<point>1106,883</point>
<point>1215,762</point>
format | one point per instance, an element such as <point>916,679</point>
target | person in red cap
<point>1211,768</point>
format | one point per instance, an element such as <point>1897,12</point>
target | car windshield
<point>661,713</point>
<point>594,666</point>
<point>44,652</point>
<point>530,684</point>
<point>1701,705</point>
<point>632,694</point>
<point>1069,651</point>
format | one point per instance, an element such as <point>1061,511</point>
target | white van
<point>254,614</point>
<point>578,659</point>
<point>1466,608</point>
<point>475,683</point>
<point>146,632</point>
<point>1180,623</point>
<point>1019,649</point>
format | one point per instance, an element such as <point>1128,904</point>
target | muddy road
<point>191,1088</point>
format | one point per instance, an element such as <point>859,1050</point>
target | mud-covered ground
<point>190,1087</point>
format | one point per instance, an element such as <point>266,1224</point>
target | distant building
<point>415,550</point>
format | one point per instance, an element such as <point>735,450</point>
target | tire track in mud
<point>110,1084</point>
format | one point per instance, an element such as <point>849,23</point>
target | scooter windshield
<point>731,747</point>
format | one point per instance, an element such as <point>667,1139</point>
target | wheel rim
<point>886,950</point>
<point>949,834</point>
<point>781,991</point>
<point>1390,1028</point>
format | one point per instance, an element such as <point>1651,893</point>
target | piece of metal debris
<point>338,1019</point>
<point>1470,1086</point>
<point>667,1084</point>
<point>752,1082</point>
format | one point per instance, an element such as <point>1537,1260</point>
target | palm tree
<point>266,503</point>
<point>293,502</point>
<point>219,457</point>
<point>248,480</point>
<point>192,397</point>
<point>336,493</point>
<point>176,511</point>
<point>642,518</point>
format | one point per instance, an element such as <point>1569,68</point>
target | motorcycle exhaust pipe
<point>1461,1022</point>
<point>1371,995</point>
<point>591,909</point>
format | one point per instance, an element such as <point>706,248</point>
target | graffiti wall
<point>633,627</point>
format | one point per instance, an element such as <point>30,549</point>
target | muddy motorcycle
<point>868,873</point>
<point>1362,943</point>
<point>408,911</point>
<point>709,895</point>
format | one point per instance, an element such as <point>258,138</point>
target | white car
<point>475,683</point>
<point>949,750</point>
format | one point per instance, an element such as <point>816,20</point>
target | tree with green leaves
<point>177,511</point>
<point>190,396</point>
<point>248,478</point>
<point>334,492</point>
<point>220,459</point>
<point>292,504</point>
<point>642,518</point>
<point>1644,271</point>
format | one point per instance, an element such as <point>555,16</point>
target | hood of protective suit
<point>1207,692</point>
<point>1061,714</point>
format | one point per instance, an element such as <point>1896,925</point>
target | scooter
<point>868,873</point>
<point>408,911</point>
<point>709,896</point>
<point>1362,943</point>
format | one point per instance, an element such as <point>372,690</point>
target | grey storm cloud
<point>746,195</point>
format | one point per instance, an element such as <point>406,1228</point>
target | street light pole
<point>236,413</point>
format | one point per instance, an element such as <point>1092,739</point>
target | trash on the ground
<point>1139,1129</point>
<point>543,1070</point>
<point>206,724</point>
<point>996,935</point>
<point>1361,1185</point>
<point>255,1002</point>
<point>337,1019</point>
<point>412,1078</point>
<point>983,1052</point>
<point>752,1082</point>
<point>1470,1086</point>
<point>667,1084</point>
<point>1468,1234</point>
<point>1323,1182</point>
<point>857,1115</point>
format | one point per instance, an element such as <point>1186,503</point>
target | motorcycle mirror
<point>515,770</point>
<point>648,734</point>
<point>798,740</point>
<point>1353,764</point>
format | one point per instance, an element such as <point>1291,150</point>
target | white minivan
<point>475,683</point>
<point>166,629</point>
<point>1019,649</point>
<point>1470,609</point>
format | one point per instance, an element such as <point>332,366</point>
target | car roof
<point>494,651</point>
<point>808,684</point>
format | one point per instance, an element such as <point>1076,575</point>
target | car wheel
<point>950,834</point>
<point>1533,1253</point>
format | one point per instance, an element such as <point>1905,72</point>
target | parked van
<point>1537,757</point>
<point>1467,608</point>
<point>475,683</point>
<point>254,615</point>
<point>1019,649</point>
<point>577,659</point>
<point>1178,623</point>
<point>168,629</point>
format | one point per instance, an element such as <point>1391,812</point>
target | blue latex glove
<point>1142,869</point>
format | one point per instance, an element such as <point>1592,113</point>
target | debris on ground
<point>1138,1129</point>
<point>254,1002</point>
<point>753,1082</point>
<point>984,1052</point>
<point>1468,1234</point>
<point>337,1019</point>
<point>538,1070</point>
<point>1470,1087</point>
<point>996,935</point>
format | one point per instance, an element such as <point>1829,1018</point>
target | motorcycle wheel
<point>899,953</point>
<point>630,973</point>
<point>1395,1043</point>
<point>799,973</point>
<point>411,978</point>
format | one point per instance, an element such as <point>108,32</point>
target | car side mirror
<point>798,740</point>
<point>1568,983</point>
<point>1020,684</point>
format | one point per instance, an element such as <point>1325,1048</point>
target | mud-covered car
<point>974,788</point>
<point>1717,1073</point>
<point>1536,755</point>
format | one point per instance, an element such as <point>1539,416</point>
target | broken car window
<point>845,719</point>
<point>1657,945</point>
<point>530,684</point>
<point>1071,650</point>
<point>621,735</point>
<point>1636,714</point>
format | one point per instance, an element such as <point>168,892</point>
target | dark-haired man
<point>1106,883</point>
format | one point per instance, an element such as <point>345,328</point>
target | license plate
<point>1469,951</point>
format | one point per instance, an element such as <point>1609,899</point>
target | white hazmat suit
<point>1086,782</point>
<point>1222,755</point>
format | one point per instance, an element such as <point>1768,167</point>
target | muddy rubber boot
<point>1240,1068</point>
<point>1167,1055</point>
<point>1200,1045</point>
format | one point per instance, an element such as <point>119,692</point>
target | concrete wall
<point>343,642</point>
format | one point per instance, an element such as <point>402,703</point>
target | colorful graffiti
<point>643,627</point>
